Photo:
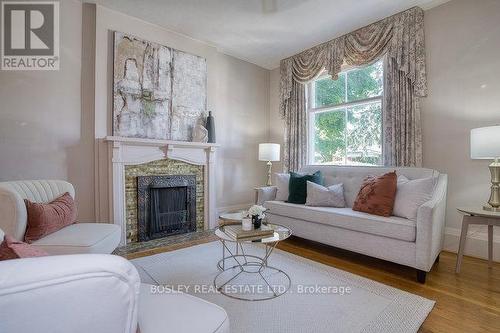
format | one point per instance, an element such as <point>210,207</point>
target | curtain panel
<point>401,39</point>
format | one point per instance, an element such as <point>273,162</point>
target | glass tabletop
<point>280,233</point>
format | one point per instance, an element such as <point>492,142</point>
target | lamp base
<point>494,201</point>
<point>491,209</point>
<point>269,173</point>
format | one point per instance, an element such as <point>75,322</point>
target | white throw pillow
<point>320,196</point>
<point>281,181</point>
<point>411,194</point>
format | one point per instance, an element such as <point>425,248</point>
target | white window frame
<point>312,110</point>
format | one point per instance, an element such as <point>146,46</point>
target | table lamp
<point>485,144</point>
<point>269,152</point>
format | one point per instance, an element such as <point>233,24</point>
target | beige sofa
<point>415,243</point>
<point>96,293</point>
<point>73,239</point>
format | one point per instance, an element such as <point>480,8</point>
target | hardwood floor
<point>465,302</point>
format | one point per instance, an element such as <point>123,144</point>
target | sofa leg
<point>421,276</point>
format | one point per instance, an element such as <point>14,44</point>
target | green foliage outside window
<point>350,134</point>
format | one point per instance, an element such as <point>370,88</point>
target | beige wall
<point>43,132</point>
<point>47,123</point>
<point>463,59</point>
<point>242,123</point>
<point>238,94</point>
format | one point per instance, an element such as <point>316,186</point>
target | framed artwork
<point>158,92</point>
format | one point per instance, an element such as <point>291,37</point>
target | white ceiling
<point>263,31</point>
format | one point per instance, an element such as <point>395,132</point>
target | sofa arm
<point>431,226</point>
<point>72,293</point>
<point>265,193</point>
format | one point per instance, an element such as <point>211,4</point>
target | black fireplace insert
<point>166,205</point>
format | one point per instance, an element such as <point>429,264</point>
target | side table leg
<point>463,237</point>
<point>490,246</point>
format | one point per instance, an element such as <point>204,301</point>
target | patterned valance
<point>400,37</point>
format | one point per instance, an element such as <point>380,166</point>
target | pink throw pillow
<point>44,219</point>
<point>11,248</point>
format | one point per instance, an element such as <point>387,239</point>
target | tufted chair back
<point>13,215</point>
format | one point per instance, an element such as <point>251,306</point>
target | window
<point>345,117</point>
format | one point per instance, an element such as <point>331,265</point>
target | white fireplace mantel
<point>132,151</point>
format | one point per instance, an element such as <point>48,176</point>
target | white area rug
<point>369,307</point>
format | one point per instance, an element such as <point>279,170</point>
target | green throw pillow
<point>297,186</point>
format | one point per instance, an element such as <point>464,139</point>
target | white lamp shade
<point>269,152</point>
<point>485,142</point>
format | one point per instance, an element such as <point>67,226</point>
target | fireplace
<point>166,205</point>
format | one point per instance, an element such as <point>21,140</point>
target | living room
<point>250,166</point>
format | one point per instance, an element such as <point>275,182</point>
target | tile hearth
<point>139,249</point>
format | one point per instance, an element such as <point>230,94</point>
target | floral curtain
<point>401,38</point>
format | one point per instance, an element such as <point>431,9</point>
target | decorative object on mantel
<point>400,38</point>
<point>210,126</point>
<point>485,144</point>
<point>200,134</point>
<point>158,92</point>
<point>269,152</point>
<point>257,214</point>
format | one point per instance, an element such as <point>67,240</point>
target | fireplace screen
<point>166,205</point>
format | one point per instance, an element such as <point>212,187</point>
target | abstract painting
<point>158,92</point>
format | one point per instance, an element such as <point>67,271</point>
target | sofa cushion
<point>377,194</point>
<point>172,311</point>
<point>11,248</point>
<point>321,196</point>
<point>297,186</point>
<point>82,238</point>
<point>352,176</point>
<point>281,181</point>
<point>46,218</point>
<point>393,227</point>
<point>411,194</point>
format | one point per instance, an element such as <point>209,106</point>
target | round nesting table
<point>247,276</point>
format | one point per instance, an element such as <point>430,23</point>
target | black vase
<point>256,221</point>
<point>210,126</point>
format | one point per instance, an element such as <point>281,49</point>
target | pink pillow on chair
<point>11,248</point>
<point>44,219</point>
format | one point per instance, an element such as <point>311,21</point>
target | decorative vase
<point>210,126</point>
<point>256,221</point>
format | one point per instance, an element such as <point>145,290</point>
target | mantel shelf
<point>159,143</point>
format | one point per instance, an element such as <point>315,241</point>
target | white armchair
<point>95,293</point>
<point>73,239</point>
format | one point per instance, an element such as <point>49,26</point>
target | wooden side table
<point>477,215</point>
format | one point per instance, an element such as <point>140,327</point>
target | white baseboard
<point>476,244</point>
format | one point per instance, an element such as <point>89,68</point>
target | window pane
<point>329,92</point>
<point>365,82</point>
<point>364,134</point>
<point>329,137</point>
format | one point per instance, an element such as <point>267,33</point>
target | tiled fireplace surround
<point>159,168</point>
<point>132,157</point>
